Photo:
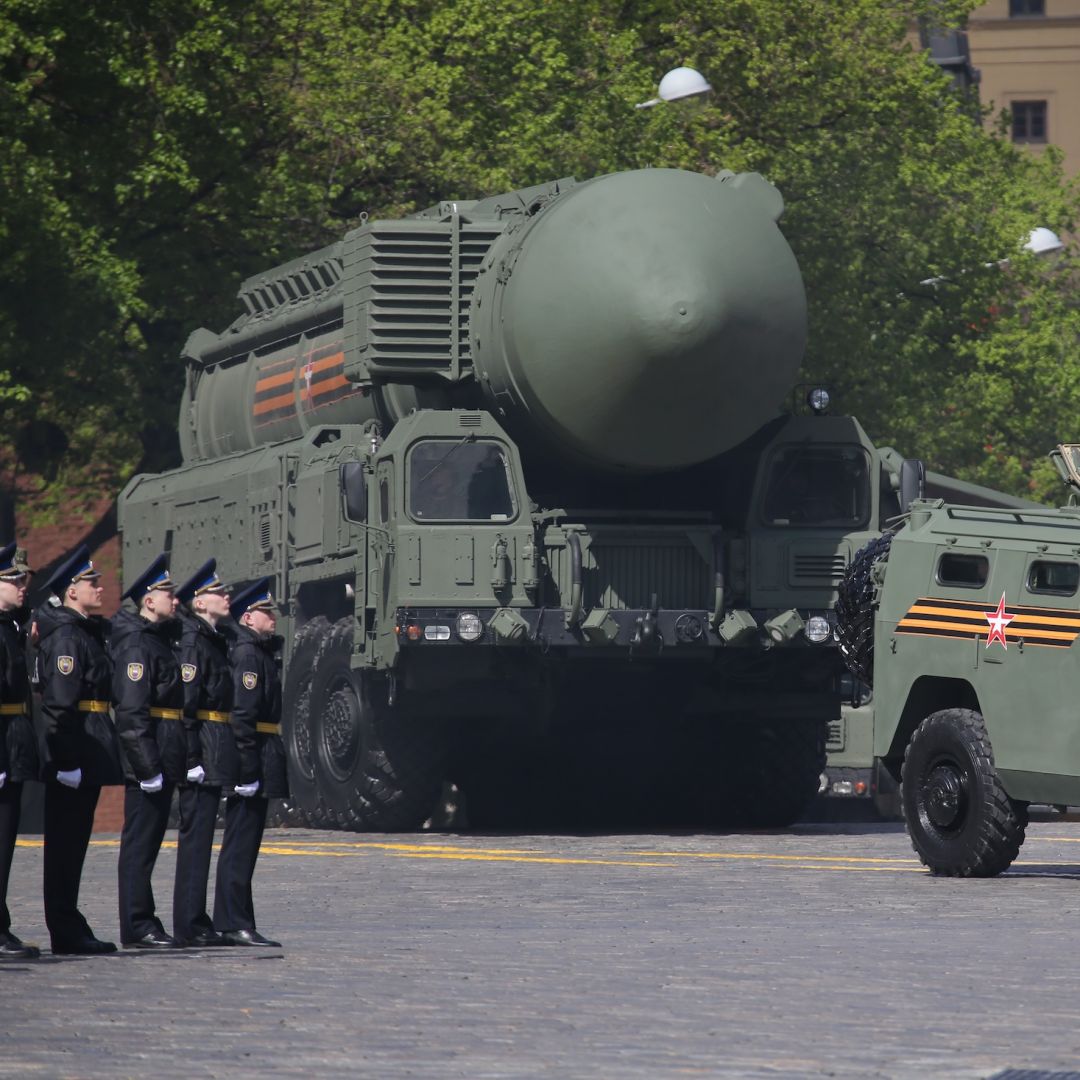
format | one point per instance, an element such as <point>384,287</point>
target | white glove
<point>155,783</point>
<point>247,790</point>
<point>3,780</point>
<point>196,775</point>
<point>71,779</point>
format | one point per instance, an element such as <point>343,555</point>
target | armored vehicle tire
<point>376,768</point>
<point>855,610</point>
<point>961,821</point>
<point>296,720</point>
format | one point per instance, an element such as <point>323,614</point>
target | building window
<point>1028,121</point>
<point>1026,7</point>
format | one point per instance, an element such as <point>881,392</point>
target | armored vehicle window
<point>459,481</point>
<point>819,486</point>
<point>1059,578</point>
<point>354,488</point>
<point>965,571</point>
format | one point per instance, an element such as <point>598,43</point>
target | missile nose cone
<point>653,319</point>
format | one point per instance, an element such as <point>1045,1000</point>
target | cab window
<point>460,480</point>
<point>822,486</point>
<point>963,571</point>
<point>1056,578</point>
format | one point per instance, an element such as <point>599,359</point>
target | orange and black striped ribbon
<point>312,381</point>
<point>1055,627</point>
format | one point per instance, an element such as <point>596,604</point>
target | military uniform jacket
<point>148,698</point>
<point>208,698</point>
<point>18,744</point>
<point>75,673</point>
<point>256,714</point>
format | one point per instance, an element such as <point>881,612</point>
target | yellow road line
<point>645,859</point>
<point>776,858</point>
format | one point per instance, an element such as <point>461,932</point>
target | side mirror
<point>912,482</point>
<point>354,488</point>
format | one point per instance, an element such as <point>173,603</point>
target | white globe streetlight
<point>1043,241</point>
<point>680,82</point>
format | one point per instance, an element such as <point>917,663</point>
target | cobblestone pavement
<point>823,951</point>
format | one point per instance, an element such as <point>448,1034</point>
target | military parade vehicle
<point>538,525</point>
<point>965,621</point>
<point>851,771</point>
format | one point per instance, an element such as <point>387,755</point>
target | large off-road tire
<point>855,609</point>
<point>961,821</point>
<point>296,723</point>
<point>377,767</point>
<point>774,772</point>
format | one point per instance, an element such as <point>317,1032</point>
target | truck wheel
<point>855,609</point>
<point>959,817</point>
<point>376,768</point>
<point>777,767</point>
<point>296,722</point>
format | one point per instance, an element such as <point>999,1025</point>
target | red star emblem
<point>998,620</point>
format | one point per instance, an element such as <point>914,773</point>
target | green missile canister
<point>643,321</point>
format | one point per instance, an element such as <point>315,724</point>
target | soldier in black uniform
<point>211,761</point>
<point>149,699</point>
<point>256,728</point>
<point>81,750</point>
<point>18,745</point>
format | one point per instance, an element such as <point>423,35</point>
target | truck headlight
<point>818,628</point>
<point>469,626</point>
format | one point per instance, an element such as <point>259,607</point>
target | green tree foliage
<point>155,152</point>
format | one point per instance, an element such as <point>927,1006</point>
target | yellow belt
<point>165,714</point>
<point>268,729</point>
<point>213,715</point>
<point>93,706</point>
<point>15,709</point>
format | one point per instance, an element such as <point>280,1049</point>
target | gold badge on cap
<point>250,679</point>
<point>187,672</point>
<point>135,672</point>
<point>65,664</point>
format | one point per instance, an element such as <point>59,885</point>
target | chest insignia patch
<point>187,672</point>
<point>250,680</point>
<point>135,672</point>
<point>65,664</point>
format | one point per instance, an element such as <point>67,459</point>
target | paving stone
<point>819,952</point>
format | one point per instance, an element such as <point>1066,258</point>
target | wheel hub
<point>341,735</point>
<point>943,796</point>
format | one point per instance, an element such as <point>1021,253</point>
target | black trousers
<point>69,820</point>
<point>198,815</point>
<point>10,805</point>
<point>146,815</point>
<point>245,820</point>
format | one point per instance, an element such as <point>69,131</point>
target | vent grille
<point>817,568</point>
<point>293,284</point>
<point>415,284</point>
<point>471,419</point>
<point>621,574</point>
<point>836,737</point>
<point>264,533</point>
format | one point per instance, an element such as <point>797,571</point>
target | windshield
<point>818,485</point>
<point>460,480</point>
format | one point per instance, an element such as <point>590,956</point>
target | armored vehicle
<point>851,771</point>
<point>518,469</point>
<point>966,620</point>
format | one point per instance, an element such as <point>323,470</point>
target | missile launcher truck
<point>518,471</point>
<point>965,621</point>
